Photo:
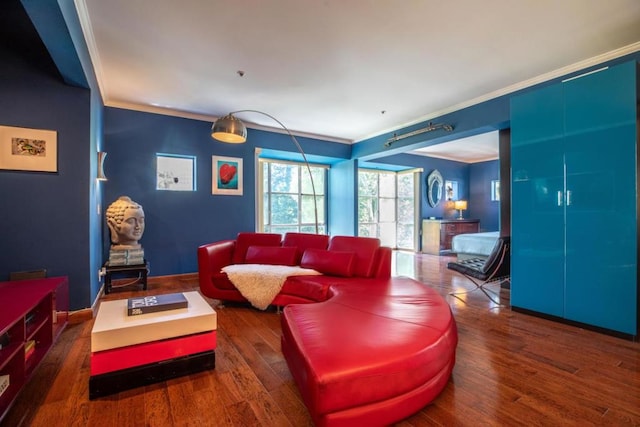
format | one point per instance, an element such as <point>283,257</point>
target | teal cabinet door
<point>601,235</point>
<point>537,210</point>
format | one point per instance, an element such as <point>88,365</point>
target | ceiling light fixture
<point>429,128</point>
<point>231,130</point>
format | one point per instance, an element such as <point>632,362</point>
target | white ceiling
<point>473,149</point>
<point>342,70</point>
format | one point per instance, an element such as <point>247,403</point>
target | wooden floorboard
<point>511,369</point>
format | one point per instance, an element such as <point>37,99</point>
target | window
<point>175,172</point>
<point>287,197</point>
<point>387,207</point>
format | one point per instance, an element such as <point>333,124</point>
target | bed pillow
<point>273,255</point>
<point>332,263</point>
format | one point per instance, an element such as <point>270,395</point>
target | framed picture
<point>175,172</point>
<point>226,175</point>
<point>451,190</point>
<point>28,149</point>
<point>495,190</point>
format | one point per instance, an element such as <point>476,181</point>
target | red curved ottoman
<point>375,352</point>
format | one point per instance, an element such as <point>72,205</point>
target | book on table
<point>155,303</point>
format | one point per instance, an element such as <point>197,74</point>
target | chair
<point>481,271</point>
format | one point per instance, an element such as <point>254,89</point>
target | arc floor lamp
<point>231,130</point>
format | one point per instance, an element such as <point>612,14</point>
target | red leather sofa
<point>340,256</point>
<point>363,347</point>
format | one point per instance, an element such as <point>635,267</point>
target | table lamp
<point>460,205</point>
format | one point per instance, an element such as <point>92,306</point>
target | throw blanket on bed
<point>260,283</point>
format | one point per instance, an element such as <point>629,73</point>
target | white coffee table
<point>131,351</point>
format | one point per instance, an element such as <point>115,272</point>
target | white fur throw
<point>260,283</point>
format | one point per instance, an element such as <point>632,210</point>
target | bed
<point>474,245</point>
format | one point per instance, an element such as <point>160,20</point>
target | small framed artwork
<point>451,190</point>
<point>175,172</point>
<point>495,190</point>
<point>28,149</point>
<point>226,175</point>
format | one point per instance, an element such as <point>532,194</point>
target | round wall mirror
<point>434,188</point>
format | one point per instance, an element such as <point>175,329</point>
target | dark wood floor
<point>512,369</point>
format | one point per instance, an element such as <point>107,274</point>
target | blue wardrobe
<point>574,205</point>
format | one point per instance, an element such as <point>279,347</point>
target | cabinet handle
<point>559,198</point>
<point>568,197</point>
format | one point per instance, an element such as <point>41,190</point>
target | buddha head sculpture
<point>125,219</point>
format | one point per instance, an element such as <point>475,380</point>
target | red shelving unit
<point>33,313</point>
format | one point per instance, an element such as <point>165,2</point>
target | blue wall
<point>480,204</point>
<point>178,222</point>
<point>45,217</point>
<point>343,206</point>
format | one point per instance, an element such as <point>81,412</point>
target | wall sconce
<point>101,156</point>
<point>460,205</point>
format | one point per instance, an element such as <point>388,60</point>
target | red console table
<point>33,313</point>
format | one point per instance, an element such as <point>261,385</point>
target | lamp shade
<point>460,204</point>
<point>229,129</point>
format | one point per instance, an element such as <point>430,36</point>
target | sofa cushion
<point>364,248</point>
<point>333,263</point>
<point>273,255</point>
<point>304,241</point>
<point>314,288</point>
<point>244,240</point>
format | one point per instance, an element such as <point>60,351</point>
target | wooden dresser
<point>437,233</point>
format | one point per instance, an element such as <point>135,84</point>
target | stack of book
<point>126,256</point>
<point>29,348</point>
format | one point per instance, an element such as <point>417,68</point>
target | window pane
<point>405,210</point>
<point>318,180</point>
<point>265,177</point>
<point>367,230</point>
<point>367,184</point>
<point>284,209</point>
<point>265,209</point>
<point>367,209</point>
<point>405,185</point>
<point>405,236</point>
<point>307,214</point>
<point>284,178</point>
<point>320,201</point>
<point>387,210</point>
<point>388,234</point>
<point>387,185</point>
